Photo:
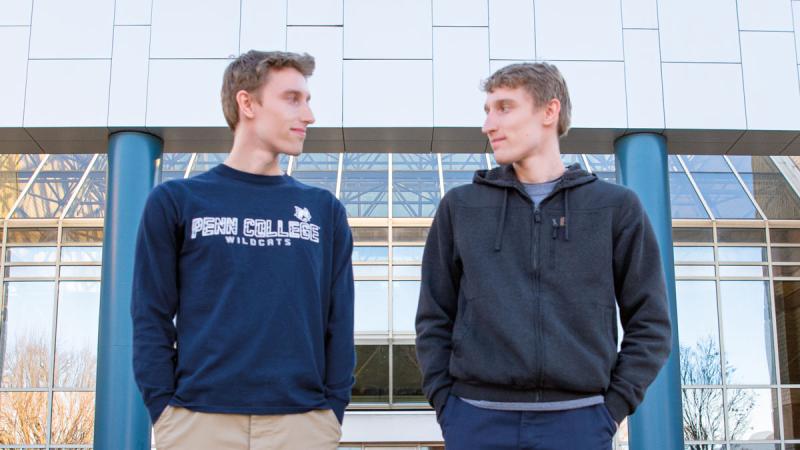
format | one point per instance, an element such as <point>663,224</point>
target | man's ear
<point>552,111</point>
<point>245,101</point>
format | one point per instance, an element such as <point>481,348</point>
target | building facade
<point>398,124</point>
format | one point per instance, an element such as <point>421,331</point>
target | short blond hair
<point>250,71</point>
<point>542,81</point>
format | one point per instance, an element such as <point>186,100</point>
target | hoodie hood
<point>505,178</point>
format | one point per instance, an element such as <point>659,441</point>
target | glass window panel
<point>206,161</point>
<point>81,271</point>
<point>693,254</point>
<point>694,446</point>
<point>27,330</point>
<point>405,296</point>
<point>609,177</point>
<point>692,235</point>
<point>791,413</point>
<point>405,255</point>
<point>91,200</point>
<point>407,380</point>
<point>492,160</point>
<point>725,196</point>
<point>747,330</point>
<point>753,164</point>
<point>744,271</point>
<point>76,336</point>
<point>703,416</point>
<point>32,235</point>
<point>786,271</point>
<point>785,254</point>
<point>53,186</point>
<point>787,315</point>
<point>755,446</point>
<point>173,165</point>
<point>407,271</point>
<point>694,271</point>
<point>684,201</point>
<point>31,254</point>
<point>773,194</point>
<point>371,271</point>
<point>82,235</point>
<point>370,254</point>
<point>748,235</point>
<point>752,414</point>
<point>602,163</point>
<point>416,185</point>
<point>370,234</point>
<point>372,374</point>
<point>317,169</point>
<point>73,418</point>
<point>372,306</point>
<point>698,332</point>
<point>458,169</point>
<point>82,254</point>
<point>410,234</point>
<point>706,163</point>
<point>569,159</point>
<point>674,164</point>
<point>30,271</point>
<point>23,418</point>
<point>742,254</point>
<point>784,235</point>
<point>365,184</point>
<point>15,172</point>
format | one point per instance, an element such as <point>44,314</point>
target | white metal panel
<point>195,29</point>
<point>700,96</point>
<point>460,63</point>
<point>387,29</point>
<point>67,93</point>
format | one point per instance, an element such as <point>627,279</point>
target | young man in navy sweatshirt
<point>255,269</point>
<point>522,273</point>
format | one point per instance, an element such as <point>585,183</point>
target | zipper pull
<point>555,229</point>
<point>537,215</point>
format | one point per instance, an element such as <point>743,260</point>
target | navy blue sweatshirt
<point>256,271</point>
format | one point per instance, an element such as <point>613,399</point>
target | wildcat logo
<point>302,214</point>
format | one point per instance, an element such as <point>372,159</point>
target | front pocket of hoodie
<point>585,251</point>
<point>580,351</point>
<point>495,344</point>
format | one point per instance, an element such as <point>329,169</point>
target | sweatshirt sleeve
<point>154,302</point>
<point>438,303</point>
<point>642,299</point>
<point>339,347</point>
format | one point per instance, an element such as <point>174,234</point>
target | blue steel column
<point>121,420</point>
<point>642,166</point>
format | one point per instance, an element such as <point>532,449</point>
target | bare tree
<point>23,415</point>
<point>703,411</point>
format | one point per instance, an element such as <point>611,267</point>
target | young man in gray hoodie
<point>522,275</point>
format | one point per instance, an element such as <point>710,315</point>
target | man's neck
<point>251,156</point>
<point>540,167</point>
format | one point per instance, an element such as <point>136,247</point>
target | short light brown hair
<point>250,71</point>
<point>542,81</point>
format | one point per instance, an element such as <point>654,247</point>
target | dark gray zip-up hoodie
<point>519,304</point>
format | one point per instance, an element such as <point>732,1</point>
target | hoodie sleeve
<point>339,349</point>
<point>438,303</point>
<point>642,299</point>
<point>154,301</point>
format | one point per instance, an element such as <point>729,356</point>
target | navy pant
<point>466,427</point>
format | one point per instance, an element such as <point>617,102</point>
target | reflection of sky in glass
<point>759,423</point>
<point>370,254</point>
<point>743,271</point>
<point>725,196</point>
<point>742,254</point>
<point>747,330</point>
<point>407,271</point>
<point>371,306</point>
<point>53,186</point>
<point>365,184</point>
<point>81,271</point>
<point>91,199</point>
<point>30,271</point>
<point>405,255</point>
<point>684,201</point>
<point>370,271</point>
<point>31,254</point>
<point>569,159</point>
<point>317,169</point>
<point>706,163</point>
<point>602,163</point>
<point>458,169</point>
<point>693,254</point>
<point>698,332</point>
<point>703,416</point>
<point>694,271</point>
<point>405,296</point>
<point>416,185</point>
<point>27,328</point>
<point>82,254</point>
<point>76,337</point>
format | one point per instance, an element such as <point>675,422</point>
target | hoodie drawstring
<point>499,238</point>
<point>566,214</point>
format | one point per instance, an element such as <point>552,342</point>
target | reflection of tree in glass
<point>22,414</point>
<point>703,413</point>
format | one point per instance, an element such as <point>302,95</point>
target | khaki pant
<point>180,429</point>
